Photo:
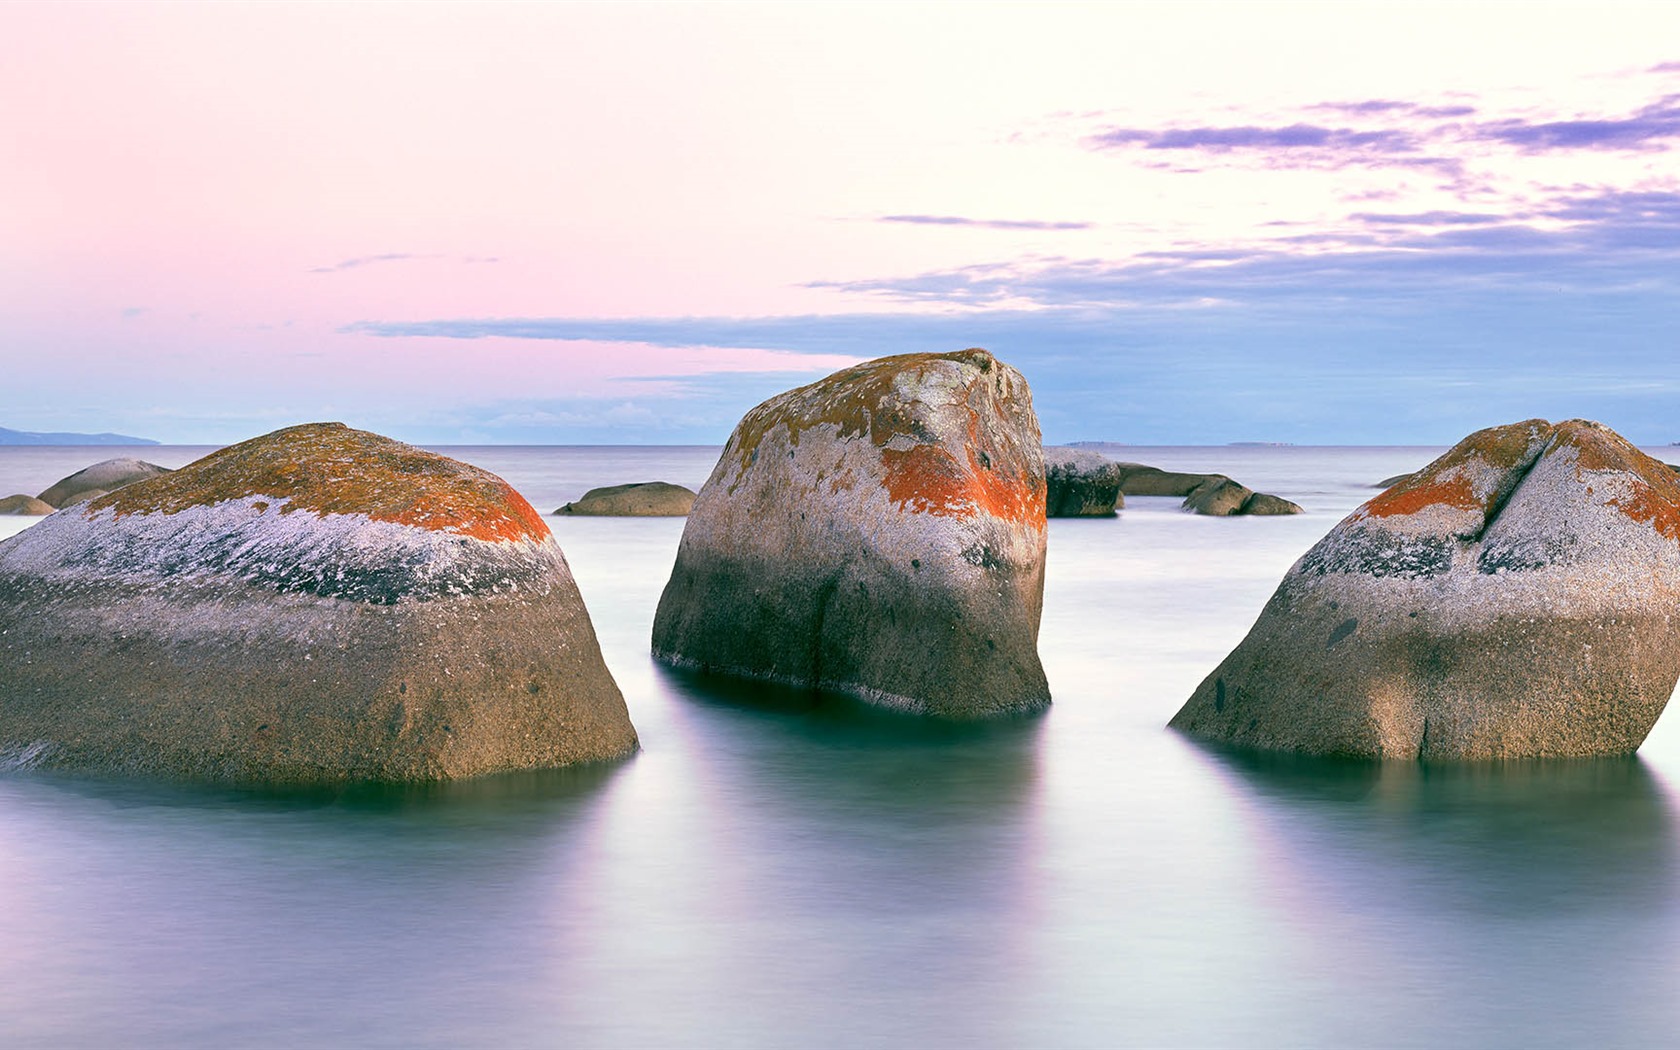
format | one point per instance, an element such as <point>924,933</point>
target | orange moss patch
<point>328,468</point>
<point>1504,449</point>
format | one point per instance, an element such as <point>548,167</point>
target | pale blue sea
<point>775,871</point>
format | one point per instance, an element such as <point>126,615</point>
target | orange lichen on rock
<point>927,479</point>
<point>328,468</point>
<point>1411,496</point>
<point>1655,500</point>
<point>1450,480</point>
<point>856,400</point>
<point>861,402</point>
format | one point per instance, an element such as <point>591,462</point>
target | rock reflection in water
<point>1415,888</point>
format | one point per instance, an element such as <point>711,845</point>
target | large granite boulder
<point>1515,598</point>
<point>879,533</point>
<point>1080,484</point>
<point>316,605</point>
<point>106,475</point>
<point>646,499</point>
<point>21,504</point>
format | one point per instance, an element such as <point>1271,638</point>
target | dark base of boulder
<point>863,634</point>
<point>264,688</point>
<point>1085,501</point>
<point>1522,688</point>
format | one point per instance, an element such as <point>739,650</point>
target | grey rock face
<point>1513,599</point>
<point>1218,497</point>
<point>105,475</point>
<point>1263,503</point>
<point>648,499</point>
<point>316,605</point>
<point>1081,484</point>
<point>879,533</point>
<point>1212,494</point>
<point>1137,479</point>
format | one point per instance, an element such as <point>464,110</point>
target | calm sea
<point>774,871</point>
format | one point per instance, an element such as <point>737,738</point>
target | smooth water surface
<point>778,870</point>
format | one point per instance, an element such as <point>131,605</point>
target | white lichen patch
<point>251,540</point>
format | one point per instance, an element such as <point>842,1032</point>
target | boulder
<point>1388,483</point>
<point>1219,497</point>
<point>647,499</point>
<point>1081,484</point>
<point>1513,599</point>
<point>107,474</point>
<point>316,605</point>
<point>878,533</point>
<point>21,504</point>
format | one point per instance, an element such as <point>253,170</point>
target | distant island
<point>25,437</point>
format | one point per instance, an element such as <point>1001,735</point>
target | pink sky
<point>196,200</point>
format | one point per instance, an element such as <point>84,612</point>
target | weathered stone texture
<point>21,504</point>
<point>316,605</point>
<point>880,533</point>
<point>1081,484</point>
<point>104,476</point>
<point>1518,597</point>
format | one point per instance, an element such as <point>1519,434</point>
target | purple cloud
<point>990,224</point>
<point>364,260</point>
<point>1396,133</point>
<point>1293,136</point>
<point>1374,106</point>
<point>1661,120</point>
<point>1429,218</point>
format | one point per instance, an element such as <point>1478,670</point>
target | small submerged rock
<point>319,604</point>
<point>21,504</point>
<point>1080,483</point>
<point>880,533</point>
<point>647,499</point>
<point>104,476</point>
<point>1513,599</point>
<point>1211,494</point>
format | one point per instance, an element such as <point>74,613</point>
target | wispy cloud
<point>1429,218</point>
<point>990,224</point>
<point>1450,136</point>
<point>363,260</point>
<point>370,260</point>
<point>1298,136</point>
<point>1369,107</point>
<point>1649,127</point>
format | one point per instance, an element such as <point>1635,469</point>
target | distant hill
<point>24,437</point>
